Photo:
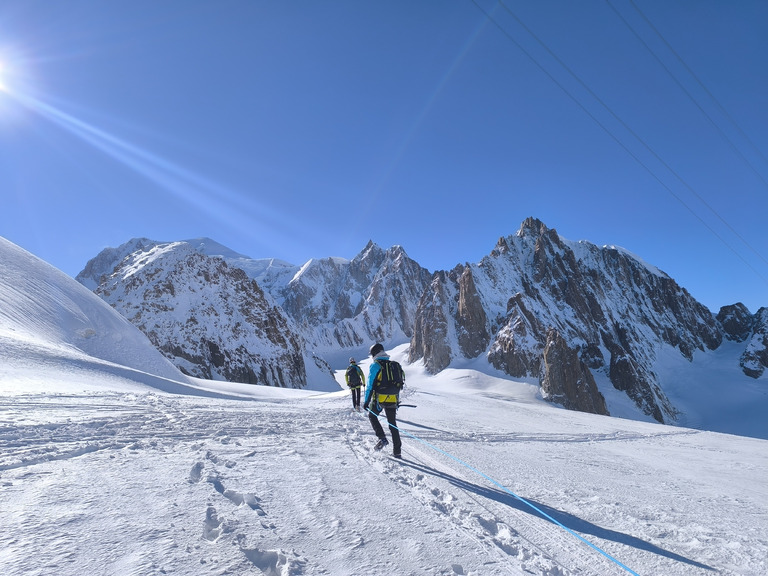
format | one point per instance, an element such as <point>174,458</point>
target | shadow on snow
<point>569,520</point>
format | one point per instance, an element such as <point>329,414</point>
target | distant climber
<point>354,378</point>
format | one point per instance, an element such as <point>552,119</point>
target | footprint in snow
<point>211,526</point>
<point>238,498</point>
<point>275,562</point>
<point>196,474</point>
<point>250,500</point>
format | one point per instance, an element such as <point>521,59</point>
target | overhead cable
<point>714,124</point>
<point>700,83</point>
<point>607,130</point>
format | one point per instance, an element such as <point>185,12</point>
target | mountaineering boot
<point>398,455</point>
<point>380,444</point>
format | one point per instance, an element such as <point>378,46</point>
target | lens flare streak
<point>226,206</point>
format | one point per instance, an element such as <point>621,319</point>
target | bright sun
<point>6,77</point>
<point>3,87</point>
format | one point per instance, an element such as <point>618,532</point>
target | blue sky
<point>301,129</point>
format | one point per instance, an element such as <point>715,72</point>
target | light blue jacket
<point>375,368</point>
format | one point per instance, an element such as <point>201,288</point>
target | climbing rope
<point>511,493</point>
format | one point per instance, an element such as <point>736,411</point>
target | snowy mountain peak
<point>210,319</point>
<point>107,259</point>
<point>210,247</point>
<point>736,322</point>
<point>616,311</point>
<point>372,252</point>
<point>532,227</point>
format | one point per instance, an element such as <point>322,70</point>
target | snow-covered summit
<point>211,320</point>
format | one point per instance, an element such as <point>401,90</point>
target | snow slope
<point>54,330</point>
<point>105,468</point>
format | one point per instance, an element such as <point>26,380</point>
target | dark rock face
<point>471,320</point>
<point>754,361</point>
<point>567,380</point>
<point>430,338</point>
<point>736,322</point>
<point>517,344</point>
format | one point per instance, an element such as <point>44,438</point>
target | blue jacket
<point>375,368</point>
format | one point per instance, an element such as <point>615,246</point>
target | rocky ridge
<point>538,296</point>
<point>573,316</point>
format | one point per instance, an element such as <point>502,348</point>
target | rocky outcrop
<point>431,339</point>
<point>754,360</point>
<point>566,380</point>
<point>471,321</point>
<point>736,322</point>
<point>738,325</point>
<point>516,347</point>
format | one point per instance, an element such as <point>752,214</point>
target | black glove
<point>365,406</point>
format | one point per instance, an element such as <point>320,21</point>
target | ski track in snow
<point>155,484</point>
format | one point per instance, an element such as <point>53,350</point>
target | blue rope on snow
<point>508,491</point>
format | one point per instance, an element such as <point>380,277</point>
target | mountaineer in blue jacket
<point>378,398</point>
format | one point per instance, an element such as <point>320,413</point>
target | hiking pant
<point>355,397</point>
<point>391,411</point>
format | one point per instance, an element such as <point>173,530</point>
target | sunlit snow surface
<point>111,463</point>
<point>128,480</point>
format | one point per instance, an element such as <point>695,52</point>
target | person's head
<point>376,349</point>
<point>352,361</point>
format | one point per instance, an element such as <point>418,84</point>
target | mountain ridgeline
<point>572,316</point>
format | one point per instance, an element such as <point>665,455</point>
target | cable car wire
<point>611,134</point>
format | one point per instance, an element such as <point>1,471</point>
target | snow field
<point>136,483</point>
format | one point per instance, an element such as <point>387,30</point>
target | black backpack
<point>391,378</point>
<point>353,374</point>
